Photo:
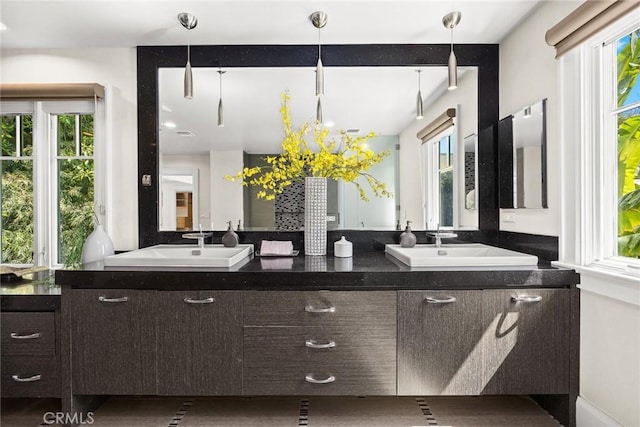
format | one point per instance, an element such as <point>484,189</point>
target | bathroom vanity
<point>320,326</point>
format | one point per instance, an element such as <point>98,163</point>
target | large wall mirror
<point>523,158</point>
<point>358,100</point>
<point>176,134</point>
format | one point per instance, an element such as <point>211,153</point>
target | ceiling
<point>355,98</point>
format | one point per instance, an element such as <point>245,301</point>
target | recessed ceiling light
<point>3,26</point>
<point>185,133</point>
<point>170,125</point>
<point>329,124</point>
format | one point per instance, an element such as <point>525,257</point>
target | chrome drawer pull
<point>527,298</point>
<point>446,300</point>
<point>315,344</point>
<point>199,301</point>
<point>105,299</point>
<point>17,336</point>
<point>312,309</point>
<point>309,378</point>
<point>17,379</point>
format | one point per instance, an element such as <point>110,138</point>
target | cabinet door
<point>527,349</point>
<point>113,338</point>
<point>200,343</point>
<point>439,342</point>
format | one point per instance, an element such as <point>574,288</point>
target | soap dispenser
<point>230,238</point>
<point>407,238</point>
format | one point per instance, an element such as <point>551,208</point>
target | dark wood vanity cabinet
<point>320,343</point>
<point>157,342</point>
<point>30,355</point>
<point>513,341</point>
<point>199,343</point>
<point>440,342</point>
<point>113,340</point>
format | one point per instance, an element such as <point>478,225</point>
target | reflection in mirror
<point>357,99</point>
<point>470,171</point>
<point>179,199</point>
<point>523,141</point>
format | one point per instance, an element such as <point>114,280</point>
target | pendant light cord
<point>188,52</point>
<point>319,45</point>
<point>220,71</point>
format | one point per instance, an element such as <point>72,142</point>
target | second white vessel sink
<point>181,256</point>
<point>469,255</point>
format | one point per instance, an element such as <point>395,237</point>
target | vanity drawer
<point>29,377</point>
<point>319,308</point>
<point>285,360</point>
<point>28,334</point>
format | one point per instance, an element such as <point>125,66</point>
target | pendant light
<point>319,20</point>
<point>220,107</point>
<point>419,108</point>
<point>450,21</point>
<point>189,22</point>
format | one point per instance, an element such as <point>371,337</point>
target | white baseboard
<point>588,415</point>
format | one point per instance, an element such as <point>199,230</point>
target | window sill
<point>609,280</point>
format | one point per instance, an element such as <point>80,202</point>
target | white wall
<point>189,162</point>
<point>466,98</point>
<point>226,197</point>
<point>528,73</point>
<point>114,67</point>
<point>610,346</point>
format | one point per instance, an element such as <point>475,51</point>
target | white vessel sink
<point>469,255</point>
<point>181,256</point>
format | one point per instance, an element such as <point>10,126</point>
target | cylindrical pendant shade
<point>220,114</point>
<point>319,110</point>
<point>453,70</point>
<point>419,108</point>
<point>188,81</point>
<point>319,78</point>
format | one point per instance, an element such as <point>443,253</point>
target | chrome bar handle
<point>105,299</point>
<point>17,336</point>
<point>31,379</point>
<point>446,300</point>
<point>312,309</point>
<point>527,298</point>
<point>199,301</point>
<point>315,344</point>
<point>310,379</point>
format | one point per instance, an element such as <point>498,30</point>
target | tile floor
<point>485,411</point>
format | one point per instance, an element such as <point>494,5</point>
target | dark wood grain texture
<point>527,347</point>
<point>439,345</point>
<point>25,324</point>
<point>363,361</point>
<point>287,308</point>
<point>25,367</point>
<point>200,345</point>
<point>113,344</point>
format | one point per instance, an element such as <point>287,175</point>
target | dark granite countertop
<point>365,271</point>
<point>34,292</point>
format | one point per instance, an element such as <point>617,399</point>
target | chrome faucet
<point>438,236</point>
<point>200,236</point>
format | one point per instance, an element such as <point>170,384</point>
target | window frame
<point>588,135</point>
<point>431,179</point>
<point>45,168</point>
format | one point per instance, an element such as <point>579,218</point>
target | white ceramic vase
<point>315,216</point>
<point>97,246</point>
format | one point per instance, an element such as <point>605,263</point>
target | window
<point>439,155</point>
<point>600,150</point>
<point>49,187</point>
<point>624,114</point>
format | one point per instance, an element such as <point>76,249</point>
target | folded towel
<point>275,247</point>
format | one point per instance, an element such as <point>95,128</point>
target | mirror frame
<point>150,58</point>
